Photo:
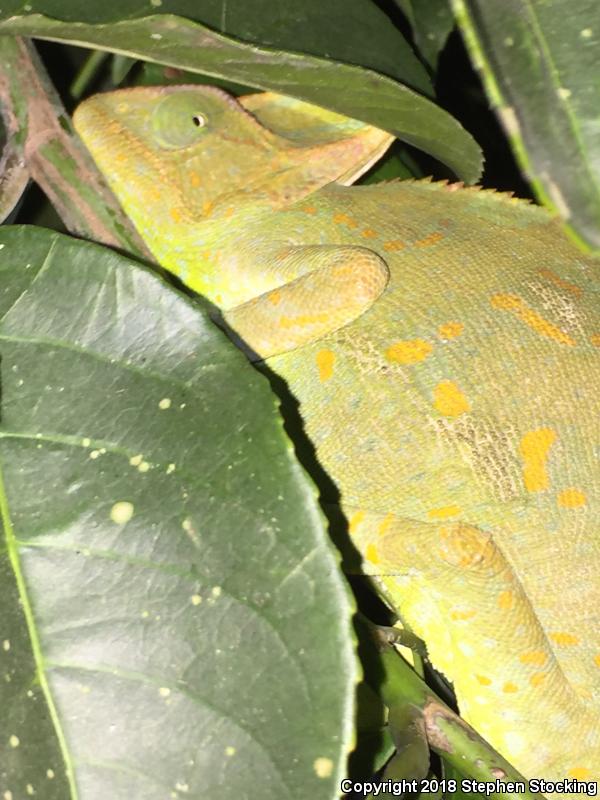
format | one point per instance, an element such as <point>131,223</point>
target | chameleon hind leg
<point>336,284</point>
<point>454,587</point>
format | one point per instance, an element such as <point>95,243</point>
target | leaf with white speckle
<point>165,631</point>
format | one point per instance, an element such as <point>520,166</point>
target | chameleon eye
<point>176,121</point>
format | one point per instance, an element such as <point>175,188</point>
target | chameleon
<point>442,344</point>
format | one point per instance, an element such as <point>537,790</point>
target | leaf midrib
<point>36,648</point>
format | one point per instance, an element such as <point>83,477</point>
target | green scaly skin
<point>443,345</point>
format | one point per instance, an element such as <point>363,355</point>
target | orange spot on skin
<point>385,524</point>
<point>564,639</point>
<point>581,773</point>
<point>459,614</point>
<point>371,553</point>
<point>561,282</point>
<point>175,214</point>
<point>355,520</point>
<point>597,660</point>
<point>571,498</point>
<point>408,351</point>
<point>450,330</point>
<point>444,512</point>
<point>538,678</point>
<point>513,303</point>
<point>325,361</point>
<point>207,207</point>
<point>432,238</point>
<point>369,233</point>
<point>309,210</point>
<point>395,244</point>
<point>344,219</point>
<point>274,297</point>
<point>195,179</point>
<point>535,657</point>
<point>229,211</point>
<point>595,339</point>
<point>449,400</point>
<point>506,600</point>
<point>483,680</point>
<point>534,448</point>
<point>510,688</point>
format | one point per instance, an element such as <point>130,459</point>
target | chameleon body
<point>443,345</point>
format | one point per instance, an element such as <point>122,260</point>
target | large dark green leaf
<point>539,61</point>
<point>354,31</point>
<point>172,620</point>
<point>349,90</point>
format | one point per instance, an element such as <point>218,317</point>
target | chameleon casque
<point>443,345</point>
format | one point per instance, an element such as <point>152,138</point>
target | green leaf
<point>353,31</point>
<point>431,22</point>
<point>173,622</point>
<point>347,89</point>
<point>539,62</point>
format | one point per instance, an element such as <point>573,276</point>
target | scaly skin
<point>443,344</point>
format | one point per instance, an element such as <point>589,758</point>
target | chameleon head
<point>182,159</point>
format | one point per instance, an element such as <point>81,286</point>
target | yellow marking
<point>561,282</point>
<point>538,678</point>
<point>467,613</point>
<point>369,233</point>
<point>175,214</point>
<point>510,688</point>
<point>444,512</point>
<point>309,210</point>
<point>432,238</point>
<point>195,179</point>
<point>371,553</point>
<point>564,639</point>
<point>571,498</point>
<point>207,207</point>
<point>344,219</point>
<point>385,524</point>
<point>449,400</point>
<point>580,773</point>
<point>535,657</point>
<point>597,660</point>
<point>229,211</point>
<point>450,330</point>
<point>274,297</point>
<point>483,680</point>
<point>325,361</point>
<point>355,520</point>
<point>506,600</point>
<point>408,351</point>
<point>394,244</point>
<point>513,303</point>
<point>121,512</point>
<point>323,767</point>
<point>534,448</point>
<point>595,339</point>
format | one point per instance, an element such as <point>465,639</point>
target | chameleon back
<point>459,417</point>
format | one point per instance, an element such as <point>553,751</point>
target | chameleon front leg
<point>336,284</point>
